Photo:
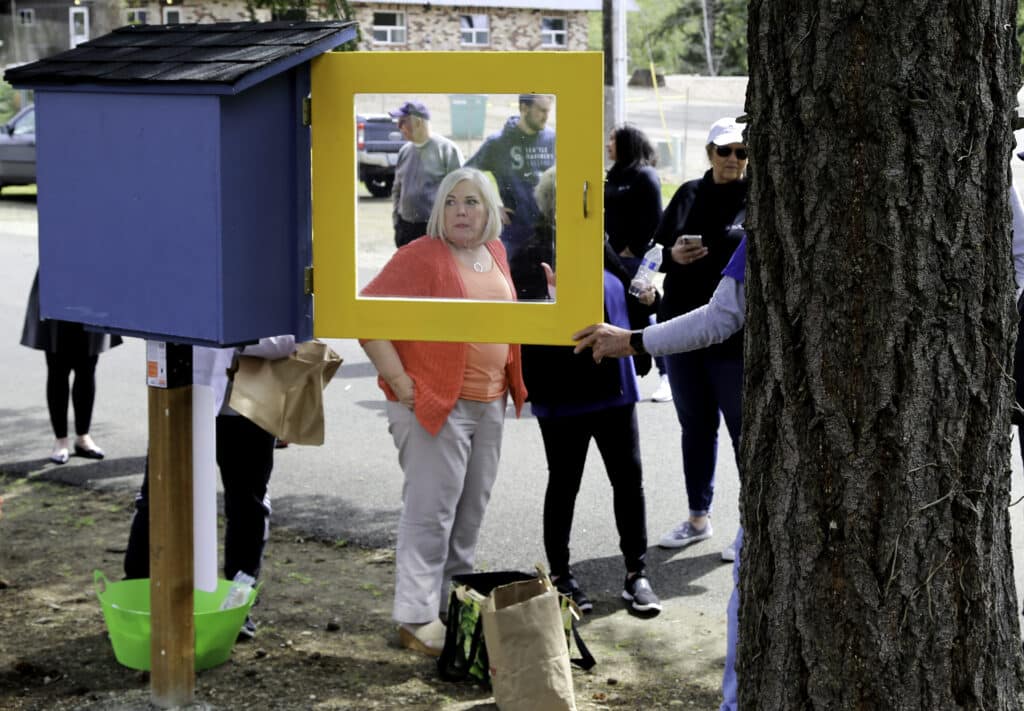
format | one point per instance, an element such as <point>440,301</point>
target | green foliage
<point>671,34</point>
<point>8,101</point>
<point>298,10</point>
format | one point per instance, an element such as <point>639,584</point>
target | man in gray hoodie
<point>422,164</point>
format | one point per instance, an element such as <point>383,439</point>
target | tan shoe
<point>426,638</point>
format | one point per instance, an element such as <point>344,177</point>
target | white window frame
<point>136,16</point>
<point>550,37</point>
<point>82,12</point>
<point>168,11</point>
<point>26,16</point>
<point>394,34</point>
<point>475,35</point>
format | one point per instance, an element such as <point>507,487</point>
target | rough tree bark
<point>880,319</point>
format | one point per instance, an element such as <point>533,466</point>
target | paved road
<point>350,488</point>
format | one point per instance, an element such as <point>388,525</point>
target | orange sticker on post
<point>156,364</point>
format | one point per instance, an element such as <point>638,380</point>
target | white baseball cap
<point>725,131</point>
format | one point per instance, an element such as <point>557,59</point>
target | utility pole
<point>619,54</point>
<point>16,53</point>
<point>613,26</point>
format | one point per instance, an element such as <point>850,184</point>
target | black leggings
<point>566,440</point>
<point>82,393</point>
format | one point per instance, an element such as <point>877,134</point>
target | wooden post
<point>172,643</point>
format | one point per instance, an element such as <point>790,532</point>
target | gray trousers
<point>448,480</point>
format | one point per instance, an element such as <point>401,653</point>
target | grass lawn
<point>667,191</point>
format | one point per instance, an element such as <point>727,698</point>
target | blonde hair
<point>544,194</point>
<point>489,196</point>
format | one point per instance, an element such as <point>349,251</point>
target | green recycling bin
<point>468,114</point>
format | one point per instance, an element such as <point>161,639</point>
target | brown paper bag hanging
<point>285,396</point>
<point>526,647</point>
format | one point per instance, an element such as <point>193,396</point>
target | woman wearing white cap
<point>700,229</point>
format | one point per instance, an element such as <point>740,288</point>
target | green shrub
<point>12,100</point>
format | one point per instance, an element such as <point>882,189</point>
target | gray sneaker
<point>640,594</point>
<point>684,534</point>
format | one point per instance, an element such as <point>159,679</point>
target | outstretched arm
<point>712,323</point>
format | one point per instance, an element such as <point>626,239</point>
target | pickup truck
<point>377,143</point>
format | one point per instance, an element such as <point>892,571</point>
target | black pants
<point>566,440</point>
<point>82,393</point>
<point>245,456</point>
<point>406,232</point>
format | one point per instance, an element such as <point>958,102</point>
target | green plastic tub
<point>126,612</point>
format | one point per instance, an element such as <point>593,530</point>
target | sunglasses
<point>726,151</point>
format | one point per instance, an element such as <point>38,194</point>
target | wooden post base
<point>173,679</point>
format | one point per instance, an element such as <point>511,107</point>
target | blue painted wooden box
<point>174,179</point>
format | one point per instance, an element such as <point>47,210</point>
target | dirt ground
<point>325,639</point>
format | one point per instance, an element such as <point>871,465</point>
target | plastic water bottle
<point>649,266</point>
<point>239,592</point>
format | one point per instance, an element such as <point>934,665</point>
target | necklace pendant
<point>478,267</point>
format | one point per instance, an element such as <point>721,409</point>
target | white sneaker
<point>729,553</point>
<point>663,393</point>
<point>684,534</point>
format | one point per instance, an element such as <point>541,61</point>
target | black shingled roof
<point>220,53</point>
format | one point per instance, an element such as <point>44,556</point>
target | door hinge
<point>307,281</point>
<point>307,111</point>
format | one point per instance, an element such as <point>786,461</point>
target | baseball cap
<point>725,131</point>
<point>411,108</point>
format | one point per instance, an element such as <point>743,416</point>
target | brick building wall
<point>208,11</point>
<point>437,28</point>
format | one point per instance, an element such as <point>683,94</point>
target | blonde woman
<point>446,401</point>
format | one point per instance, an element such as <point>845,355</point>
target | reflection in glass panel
<point>406,147</point>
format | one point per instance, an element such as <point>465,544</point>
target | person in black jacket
<point>710,380</point>
<point>632,209</point>
<point>575,400</point>
<point>632,194</point>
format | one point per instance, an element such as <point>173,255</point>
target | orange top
<point>484,379</point>
<point>426,268</point>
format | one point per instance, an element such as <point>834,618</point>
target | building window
<point>27,17</point>
<point>475,30</point>
<point>389,27</point>
<point>552,32</point>
<point>136,16</point>
<point>172,16</point>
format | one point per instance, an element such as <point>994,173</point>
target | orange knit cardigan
<point>426,267</point>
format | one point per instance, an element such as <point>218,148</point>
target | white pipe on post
<point>204,487</point>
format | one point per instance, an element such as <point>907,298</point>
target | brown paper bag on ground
<point>285,396</point>
<point>528,656</point>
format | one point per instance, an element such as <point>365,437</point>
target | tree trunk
<point>607,41</point>
<point>877,570</point>
<point>607,44</point>
<point>708,30</point>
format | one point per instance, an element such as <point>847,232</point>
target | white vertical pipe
<point>204,488</point>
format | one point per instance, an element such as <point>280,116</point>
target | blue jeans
<point>732,634</point>
<point>702,386</point>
